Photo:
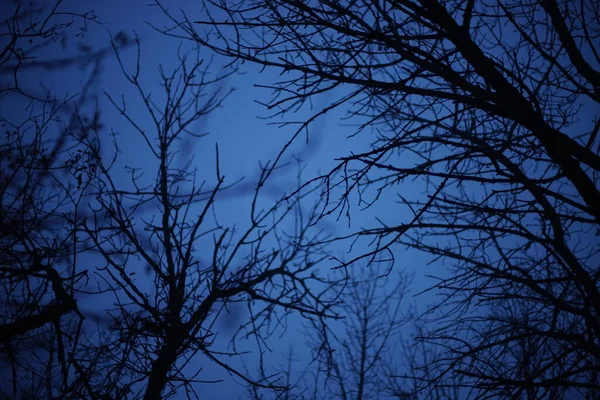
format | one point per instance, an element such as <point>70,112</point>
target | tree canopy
<point>482,122</point>
<point>492,106</point>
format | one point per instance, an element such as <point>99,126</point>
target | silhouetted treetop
<point>490,108</point>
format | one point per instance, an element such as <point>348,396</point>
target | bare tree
<point>174,270</point>
<point>491,107</point>
<point>43,174</point>
<point>372,351</point>
<point>356,357</point>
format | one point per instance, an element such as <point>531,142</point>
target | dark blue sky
<point>504,199</point>
<point>244,140</point>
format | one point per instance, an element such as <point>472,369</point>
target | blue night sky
<point>245,138</point>
<point>248,135</point>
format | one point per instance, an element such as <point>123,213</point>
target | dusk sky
<point>245,139</point>
<point>488,216</point>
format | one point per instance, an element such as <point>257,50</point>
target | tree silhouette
<point>357,356</point>
<point>360,360</point>
<point>490,108</point>
<point>173,268</point>
<point>147,247</point>
<point>371,352</point>
<point>41,195</point>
